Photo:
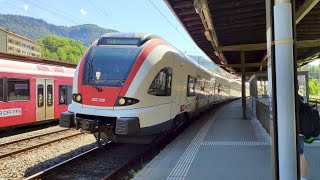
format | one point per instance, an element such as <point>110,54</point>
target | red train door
<point>44,92</point>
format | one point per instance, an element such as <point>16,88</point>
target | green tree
<point>61,48</point>
<point>314,87</point>
<point>61,54</point>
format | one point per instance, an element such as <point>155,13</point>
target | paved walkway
<point>221,145</point>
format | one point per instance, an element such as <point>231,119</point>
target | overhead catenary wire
<point>65,13</point>
<point>98,8</point>
<point>196,50</point>
<point>52,12</point>
<point>173,26</point>
<point>17,7</point>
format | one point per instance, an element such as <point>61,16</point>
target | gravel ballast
<point>28,163</point>
<point>29,134</point>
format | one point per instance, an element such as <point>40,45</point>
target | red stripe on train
<point>141,58</point>
<point>81,68</point>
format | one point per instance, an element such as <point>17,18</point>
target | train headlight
<point>121,101</point>
<point>125,101</point>
<point>77,98</point>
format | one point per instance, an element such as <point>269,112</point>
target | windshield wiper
<point>119,81</point>
<point>90,79</point>
<point>99,89</point>
<point>90,64</point>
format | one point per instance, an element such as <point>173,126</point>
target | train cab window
<point>192,81</point>
<point>161,84</point>
<point>18,89</point>
<point>65,95</point>
<point>1,89</point>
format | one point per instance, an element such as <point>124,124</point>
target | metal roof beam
<point>304,9</point>
<point>186,12</point>
<point>261,64</point>
<point>246,65</point>
<point>191,18</point>
<point>203,10</point>
<point>183,4</point>
<point>263,46</point>
<point>243,47</point>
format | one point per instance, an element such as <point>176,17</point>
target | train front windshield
<point>106,66</point>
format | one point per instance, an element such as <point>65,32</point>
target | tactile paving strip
<point>181,168</point>
<point>236,143</point>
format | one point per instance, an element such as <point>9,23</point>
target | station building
<point>11,42</point>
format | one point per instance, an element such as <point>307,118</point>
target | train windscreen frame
<point>109,66</point>
<point>119,41</point>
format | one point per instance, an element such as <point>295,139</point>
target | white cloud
<point>83,12</point>
<point>26,7</point>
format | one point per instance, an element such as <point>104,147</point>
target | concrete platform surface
<point>221,145</point>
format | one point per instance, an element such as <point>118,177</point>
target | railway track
<point>15,130</point>
<point>93,164</point>
<point>112,161</point>
<point>21,145</point>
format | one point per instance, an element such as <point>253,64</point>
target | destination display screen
<point>119,41</point>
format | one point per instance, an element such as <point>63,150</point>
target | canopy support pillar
<point>243,83</point>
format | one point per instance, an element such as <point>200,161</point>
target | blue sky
<point>121,15</point>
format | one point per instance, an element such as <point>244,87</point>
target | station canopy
<point>224,28</point>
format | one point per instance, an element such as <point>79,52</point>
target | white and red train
<point>128,87</point>
<point>32,89</point>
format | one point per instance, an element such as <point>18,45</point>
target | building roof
<point>23,58</point>
<point>233,26</point>
<point>14,34</point>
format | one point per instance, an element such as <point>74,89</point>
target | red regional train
<point>33,89</point>
<point>132,86</point>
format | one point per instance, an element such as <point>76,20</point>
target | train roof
<point>139,39</point>
<point>30,59</point>
<point>10,66</point>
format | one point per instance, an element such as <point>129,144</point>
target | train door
<point>44,99</point>
<point>198,91</point>
<point>176,88</point>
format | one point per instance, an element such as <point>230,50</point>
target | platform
<point>221,145</point>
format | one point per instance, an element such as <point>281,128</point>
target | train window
<point>40,95</point>
<point>65,95</point>
<point>18,89</point>
<point>49,95</point>
<point>192,81</point>
<point>1,89</point>
<point>161,84</point>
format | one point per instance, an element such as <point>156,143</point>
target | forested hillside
<point>34,29</point>
<point>60,48</point>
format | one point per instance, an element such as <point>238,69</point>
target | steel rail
<point>60,166</point>
<point>31,137</point>
<point>37,145</point>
